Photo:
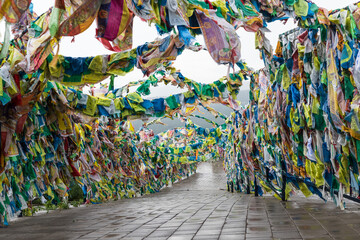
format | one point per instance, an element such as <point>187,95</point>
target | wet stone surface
<point>196,208</point>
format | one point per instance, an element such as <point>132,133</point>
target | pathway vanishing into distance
<point>196,208</point>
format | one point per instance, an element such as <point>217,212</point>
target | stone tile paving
<point>196,208</point>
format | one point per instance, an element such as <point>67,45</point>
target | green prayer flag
<point>348,87</point>
<point>5,98</point>
<point>171,101</point>
<point>2,209</point>
<point>111,85</point>
<point>207,91</point>
<point>290,2</point>
<point>144,88</point>
<point>357,149</point>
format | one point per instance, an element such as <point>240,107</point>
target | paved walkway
<point>196,208</point>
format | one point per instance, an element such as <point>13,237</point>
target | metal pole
<point>248,186</point>
<point>256,187</point>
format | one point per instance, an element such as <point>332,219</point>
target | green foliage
<point>27,212</point>
<point>75,192</point>
<point>50,206</point>
<point>64,205</point>
<point>76,203</point>
<point>34,210</point>
<point>37,201</point>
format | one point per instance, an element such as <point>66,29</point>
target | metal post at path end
<point>248,186</point>
<point>256,187</point>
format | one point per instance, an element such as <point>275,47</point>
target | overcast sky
<point>197,66</point>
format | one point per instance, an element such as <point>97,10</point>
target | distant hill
<point>243,97</point>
